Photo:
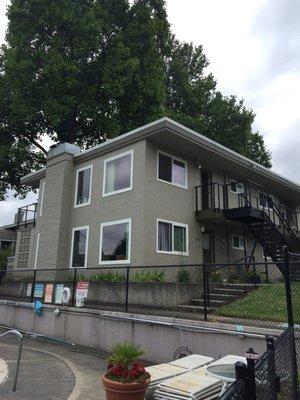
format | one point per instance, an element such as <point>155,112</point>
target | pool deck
<point>52,371</point>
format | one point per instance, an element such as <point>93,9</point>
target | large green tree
<point>84,71</point>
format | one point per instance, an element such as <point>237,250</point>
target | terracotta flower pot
<point>125,391</point>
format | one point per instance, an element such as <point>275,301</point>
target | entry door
<point>206,178</point>
<point>208,247</point>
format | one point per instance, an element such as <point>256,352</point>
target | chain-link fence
<point>273,376</point>
<point>244,293</point>
<point>235,391</point>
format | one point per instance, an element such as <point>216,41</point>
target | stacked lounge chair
<point>162,372</point>
<point>193,385</point>
<point>196,384</point>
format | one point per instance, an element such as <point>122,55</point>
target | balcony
<point>242,200</point>
<point>27,215</point>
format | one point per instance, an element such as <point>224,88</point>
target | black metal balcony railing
<point>27,214</point>
<point>216,196</point>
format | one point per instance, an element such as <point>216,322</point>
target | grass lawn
<point>265,303</point>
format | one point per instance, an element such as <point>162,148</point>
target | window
<point>118,174</point>
<point>172,170</point>
<point>172,237</point>
<point>264,202</point>
<point>83,186</point>
<point>115,238</point>
<point>237,187</point>
<point>80,237</point>
<point>238,242</point>
<point>42,198</point>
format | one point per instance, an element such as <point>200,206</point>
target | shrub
<point>183,276</point>
<point>107,277</point>
<point>252,277</point>
<point>123,366</point>
<point>216,276</point>
<point>149,276</point>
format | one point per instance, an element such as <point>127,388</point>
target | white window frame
<point>110,223</point>
<point>107,160</point>
<point>76,186</point>
<point>172,158</point>
<point>42,198</point>
<point>237,183</point>
<point>240,237</point>
<point>79,228</point>
<point>36,250</point>
<point>173,223</point>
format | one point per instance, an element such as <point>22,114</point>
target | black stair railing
<point>287,231</point>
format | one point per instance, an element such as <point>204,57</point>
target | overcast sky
<point>254,52</point>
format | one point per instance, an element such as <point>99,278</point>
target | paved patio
<point>52,372</point>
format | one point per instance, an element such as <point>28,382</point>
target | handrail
<point>280,216</point>
<point>25,210</point>
<point>20,338</point>
<point>234,262</point>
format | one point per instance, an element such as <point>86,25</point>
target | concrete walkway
<point>52,372</point>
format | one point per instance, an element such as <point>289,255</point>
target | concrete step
<point>193,308</point>
<point>236,292</point>
<point>239,286</point>
<point>222,297</point>
<point>212,303</point>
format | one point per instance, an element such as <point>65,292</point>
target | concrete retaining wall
<point>165,295</point>
<point>159,336</point>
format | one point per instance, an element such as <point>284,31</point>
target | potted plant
<point>126,378</point>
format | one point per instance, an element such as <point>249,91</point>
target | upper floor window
<point>172,237</point>
<point>83,186</point>
<point>79,248</point>
<point>115,238</point>
<point>238,242</point>
<point>265,202</point>
<point>172,170</point>
<point>237,187</point>
<point>118,174</point>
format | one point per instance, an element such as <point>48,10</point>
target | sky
<point>254,51</point>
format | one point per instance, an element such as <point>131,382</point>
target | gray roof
<point>164,125</point>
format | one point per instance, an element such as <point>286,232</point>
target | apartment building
<point>159,195</point>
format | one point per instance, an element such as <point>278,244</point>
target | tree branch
<point>38,145</point>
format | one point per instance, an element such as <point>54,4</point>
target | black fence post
<point>74,288</point>
<point>32,288</point>
<point>251,356</point>
<point>287,280</point>
<point>127,289</point>
<point>242,374</point>
<point>205,292</point>
<point>271,368</point>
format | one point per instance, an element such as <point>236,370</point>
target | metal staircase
<point>269,225</point>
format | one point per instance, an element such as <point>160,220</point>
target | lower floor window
<point>172,237</point>
<point>115,242</point>
<point>238,242</point>
<point>79,247</point>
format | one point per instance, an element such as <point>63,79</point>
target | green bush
<point>3,258</point>
<point>252,277</point>
<point>216,277</point>
<point>183,276</point>
<point>107,277</point>
<point>148,276</point>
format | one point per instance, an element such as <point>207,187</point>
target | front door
<point>206,188</point>
<point>208,247</point>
